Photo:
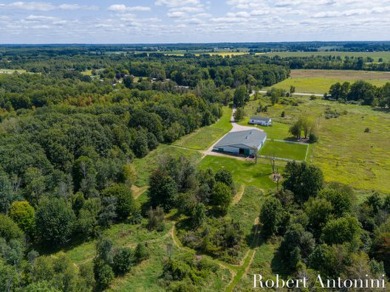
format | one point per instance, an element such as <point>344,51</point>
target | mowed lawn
<point>244,172</point>
<point>285,149</point>
<point>203,138</point>
<point>319,81</point>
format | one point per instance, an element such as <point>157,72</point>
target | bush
<point>123,260</point>
<point>141,253</point>
<point>283,114</point>
<point>103,274</point>
<point>313,138</point>
<point>367,130</point>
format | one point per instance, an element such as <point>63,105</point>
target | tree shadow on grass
<point>278,267</point>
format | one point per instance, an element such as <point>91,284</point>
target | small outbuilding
<point>257,120</point>
<point>245,143</point>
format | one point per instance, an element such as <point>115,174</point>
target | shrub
<point>141,253</point>
<point>313,138</point>
<point>123,260</point>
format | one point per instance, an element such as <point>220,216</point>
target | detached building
<point>256,120</point>
<point>245,143</point>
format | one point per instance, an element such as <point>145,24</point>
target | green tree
<point>319,212</point>
<point>344,229</point>
<point>162,189</point>
<point>240,96</point>
<point>123,261</point>
<point>9,229</point>
<point>23,214</point>
<point>271,216</point>
<point>303,180</point>
<point>125,204</point>
<point>55,222</point>
<point>226,177</point>
<point>221,197</point>
<point>87,222</point>
<point>198,215</point>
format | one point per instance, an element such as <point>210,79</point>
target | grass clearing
<point>319,81</point>
<point>12,71</point>
<point>286,150</point>
<point>247,209</point>
<point>204,137</point>
<point>244,172</point>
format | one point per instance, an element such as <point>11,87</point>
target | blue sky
<point>172,21</point>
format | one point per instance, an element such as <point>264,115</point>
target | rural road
<point>295,93</point>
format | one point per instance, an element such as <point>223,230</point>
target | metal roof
<point>260,118</point>
<point>241,139</point>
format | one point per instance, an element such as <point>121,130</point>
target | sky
<point>192,21</point>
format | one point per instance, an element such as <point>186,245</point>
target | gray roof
<point>243,139</point>
<point>260,118</point>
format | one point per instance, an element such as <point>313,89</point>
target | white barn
<point>256,120</point>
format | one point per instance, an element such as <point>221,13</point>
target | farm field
<point>375,55</point>
<point>283,149</point>
<point>319,81</point>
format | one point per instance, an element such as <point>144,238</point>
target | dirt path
<point>138,191</point>
<point>238,195</point>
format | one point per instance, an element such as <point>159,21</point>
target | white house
<point>256,120</point>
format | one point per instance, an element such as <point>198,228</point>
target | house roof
<point>260,118</point>
<point>243,139</point>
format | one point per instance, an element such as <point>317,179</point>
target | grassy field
<point>244,172</point>
<point>374,55</point>
<point>12,71</point>
<point>203,138</point>
<point>284,150</point>
<point>344,151</point>
<point>319,81</point>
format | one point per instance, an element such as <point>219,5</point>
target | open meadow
<point>319,81</point>
<point>345,151</point>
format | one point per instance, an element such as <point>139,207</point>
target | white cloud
<point>176,14</point>
<point>39,6</point>
<point>77,7</point>
<point>124,8</point>
<point>176,3</point>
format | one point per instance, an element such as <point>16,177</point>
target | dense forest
<point>74,120</point>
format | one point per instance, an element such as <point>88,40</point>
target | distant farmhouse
<point>256,120</point>
<point>245,143</point>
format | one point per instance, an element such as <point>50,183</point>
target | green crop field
<point>374,55</point>
<point>319,81</point>
<point>283,149</point>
